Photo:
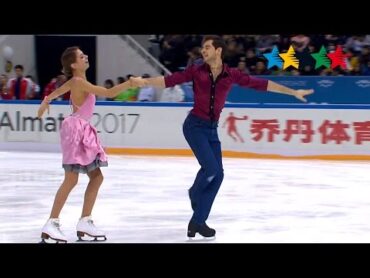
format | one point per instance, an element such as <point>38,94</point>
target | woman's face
<point>82,61</point>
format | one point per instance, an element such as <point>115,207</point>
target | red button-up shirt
<point>209,95</point>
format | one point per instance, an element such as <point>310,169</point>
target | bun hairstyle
<point>68,58</point>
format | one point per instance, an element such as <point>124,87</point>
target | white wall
<point>24,53</point>
<point>115,58</point>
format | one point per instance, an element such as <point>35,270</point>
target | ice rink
<point>144,200</point>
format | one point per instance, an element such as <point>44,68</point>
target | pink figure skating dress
<point>81,147</point>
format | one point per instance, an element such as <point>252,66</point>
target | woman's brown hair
<point>68,58</point>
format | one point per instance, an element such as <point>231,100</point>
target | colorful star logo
<point>338,58</point>
<point>321,58</point>
<point>290,59</point>
<point>274,58</point>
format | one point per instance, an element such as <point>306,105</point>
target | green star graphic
<point>321,58</point>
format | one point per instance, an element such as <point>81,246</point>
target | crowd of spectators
<point>246,52</point>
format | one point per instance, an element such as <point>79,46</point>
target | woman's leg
<point>70,181</point>
<point>96,179</point>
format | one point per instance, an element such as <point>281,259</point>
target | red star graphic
<point>338,58</point>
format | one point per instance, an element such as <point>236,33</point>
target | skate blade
<point>89,239</point>
<point>52,241</point>
<point>200,238</point>
<point>45,238</point>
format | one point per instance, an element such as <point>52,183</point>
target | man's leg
<point>208,195</point>
<point>197,138</point>
<point>193,196</point>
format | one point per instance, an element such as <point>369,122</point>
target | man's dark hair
<point>120,79</point>
<point>19,67</point>
<point>217,42</point>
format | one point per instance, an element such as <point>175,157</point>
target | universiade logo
<point>363,83</point>
<point>325,83</point>
<point>322,58</point>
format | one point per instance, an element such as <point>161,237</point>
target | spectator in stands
<point>146,93</point>
<point>34,93</point>
<point>364,60</point>
<point>356,43</point>
<point>120,79</point>
<point>233,53</point>
<point>19,86</point>
<point>251,59</point>
<point>194,55</point>
<point>173,54</point>
<point>173,94</point>
<point>365,70</point>
<point>242,66</point>
<point>212,82</point>
<point>257,45</point>
<point>300,42</point>
<point>54,84</point>
<point>108,83</point>
<point>128,95</point>
<point>265,43</point>
<point>3,87</point>
<point>261,69</point>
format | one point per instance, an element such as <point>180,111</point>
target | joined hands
<point>138,82</point>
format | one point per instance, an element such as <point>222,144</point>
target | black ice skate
<point>203,230</point>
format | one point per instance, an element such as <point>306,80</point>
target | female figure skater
<point>81,147</point>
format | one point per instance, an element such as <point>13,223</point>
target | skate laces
<point>56,225</point>
<point>90,222</point>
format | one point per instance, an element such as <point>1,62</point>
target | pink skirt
<point>81,147</point>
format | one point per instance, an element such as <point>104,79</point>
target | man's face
<point>18,72</point>
<point>208,51</point>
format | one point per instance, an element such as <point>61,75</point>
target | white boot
<point>52,230</point>
<point>85,226</point>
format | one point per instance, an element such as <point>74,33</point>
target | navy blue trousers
<point>202,138</point>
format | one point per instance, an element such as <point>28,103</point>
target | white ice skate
<point>52,230</point>
<point>86,226</point>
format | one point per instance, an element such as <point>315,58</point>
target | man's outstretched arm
<point>277,88</point>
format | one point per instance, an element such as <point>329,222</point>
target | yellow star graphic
<point>289,58</point>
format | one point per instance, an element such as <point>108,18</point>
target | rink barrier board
<point>159,119</point>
